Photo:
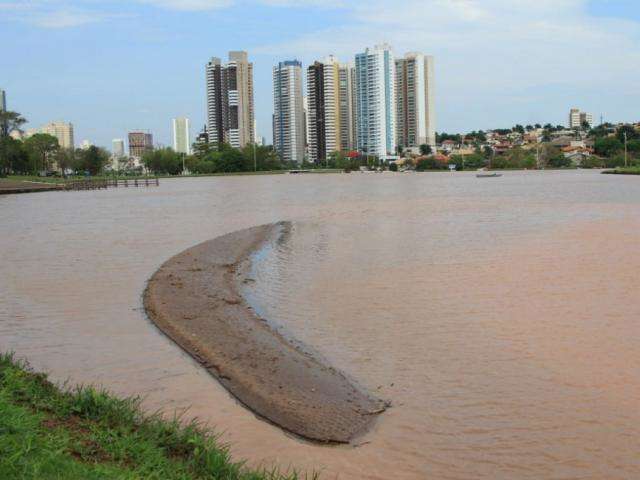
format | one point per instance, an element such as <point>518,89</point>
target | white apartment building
<point>376,102</point>
<point>288,118</point>
<point>181,135</point>
<point>63,131</point>
<point>415,101</point>
<point>577,118</point>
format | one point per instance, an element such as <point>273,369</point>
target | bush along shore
<point>623,171</point>
<point>47,432</point>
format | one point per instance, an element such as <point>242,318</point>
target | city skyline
<point>482,73</point>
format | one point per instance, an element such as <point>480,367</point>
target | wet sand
<point>194,299</point>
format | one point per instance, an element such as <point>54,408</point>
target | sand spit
<point>194,299</point>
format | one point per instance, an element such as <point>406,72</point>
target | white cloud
<point>67,19</point>
<point>189,5</point>
<point>493,54</point>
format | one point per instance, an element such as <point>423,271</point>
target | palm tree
<point>10,121</point>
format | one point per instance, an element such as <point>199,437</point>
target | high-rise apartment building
<point>181,135</point>
<point>230,110</point>
<point>415,97</point>
<point>347,89</point>
<point>139,144</point>
<point>330,108</point>
<point>577,118</point>
<point>288,118</point>
<point>376,102</point>
<point>63,131</point>
<point>117,148</point>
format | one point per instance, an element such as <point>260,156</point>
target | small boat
<point>488,175</point>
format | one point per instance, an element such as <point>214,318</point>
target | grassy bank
<point>34,178</point>
<point>623,171</point>
<point>52,433</point>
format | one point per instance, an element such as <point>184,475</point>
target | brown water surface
<point>501,317</point>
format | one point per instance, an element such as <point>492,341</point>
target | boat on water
<point>488,175</point>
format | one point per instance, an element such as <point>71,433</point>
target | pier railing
<point>94,184</point>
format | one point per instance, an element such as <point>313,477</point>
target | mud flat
<point>194,299</point>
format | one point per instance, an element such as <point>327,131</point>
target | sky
<point>111,66</point>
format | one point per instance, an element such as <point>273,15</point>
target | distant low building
<point>117,147</point>
<point>567,141</point>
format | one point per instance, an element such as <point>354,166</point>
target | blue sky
<point>115,65</point>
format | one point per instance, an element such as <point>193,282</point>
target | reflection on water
<point>499,316</point>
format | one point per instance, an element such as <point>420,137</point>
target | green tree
<point>13,156</point>
<point>592,162</point>
<point>266,158</point>
<point>425,149</point>
<point>608,146</point>
<point>201,150</point>
<point>519,128</point>
<point>41,148</point>
<point>633,146</point>
<point>630,132</point>
<point>474,161</point>
<point>229,160</point>
<point>66,159</point>
<point>427,163</point>
<point>93,159</point>
<point>547,153</point>
<point>163,161</point>
<point>558,160</point>
<point>10,121</point>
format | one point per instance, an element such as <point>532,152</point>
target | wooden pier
<point>94,184</point>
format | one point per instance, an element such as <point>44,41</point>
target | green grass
<point>47,432</point>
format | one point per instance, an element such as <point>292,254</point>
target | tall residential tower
<point>376,102</point>
<point>181,135</point>
<point>330,109</point>
<point>288,118</point>
<point>230,113</point>
<point>415,109</point>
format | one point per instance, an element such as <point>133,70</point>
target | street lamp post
<point>626,164</point>
<point>255,159</point>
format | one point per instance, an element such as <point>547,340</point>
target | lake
<point>499,316</point>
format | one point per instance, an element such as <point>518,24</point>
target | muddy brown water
<point>501,317</point>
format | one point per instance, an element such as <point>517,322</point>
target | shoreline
<point>13,187</point>
<point>194,299</point>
